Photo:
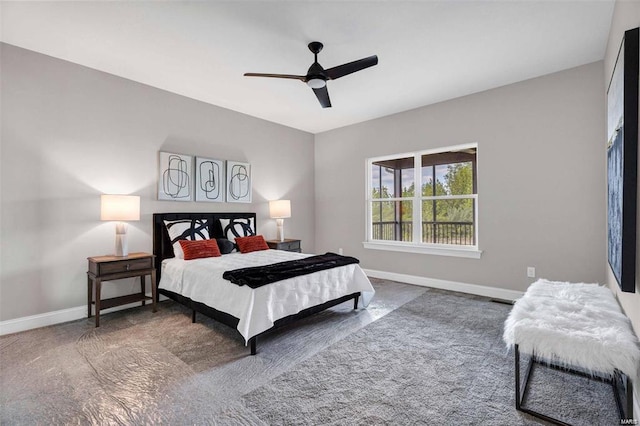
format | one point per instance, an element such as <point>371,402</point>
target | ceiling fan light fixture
<point>316,83</point>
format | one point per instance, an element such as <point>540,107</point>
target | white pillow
<point>232,228</point>
<point>185,229</point>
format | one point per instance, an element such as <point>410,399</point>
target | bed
<point>198,284</point>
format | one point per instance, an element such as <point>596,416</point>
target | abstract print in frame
<point>238,182</point>
<point>174,182</point>
<point>210,178</point>
<point>622,154</point>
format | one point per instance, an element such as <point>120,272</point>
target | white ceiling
<point>428,51</point>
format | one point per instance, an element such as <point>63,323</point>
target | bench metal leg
<point>624,408</point>
<point>521,396</point>
<point>625,413</point>
<point>252,342</point>
<point>517,376</point>
<point>629,413</point>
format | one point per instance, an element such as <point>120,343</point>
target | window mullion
<point>417,199</point>
<point>397,190</point>
<point>369,197</point>
<point>434,217</point>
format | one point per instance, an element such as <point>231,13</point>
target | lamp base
<point>122,246</point>
<point>280,223</point>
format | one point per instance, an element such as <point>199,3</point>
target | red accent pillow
<point>252,243</point>
<point>199,248</point>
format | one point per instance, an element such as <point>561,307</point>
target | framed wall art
<point>175,180</point>
<point>210,180</point>
<point>238,182</point>
<point>622,169</point>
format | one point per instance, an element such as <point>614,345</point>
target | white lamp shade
<point>120,207</point>
<point>280,209</point>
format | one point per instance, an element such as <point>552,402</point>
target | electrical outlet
<point>340,251</point>
<point>531,272</point>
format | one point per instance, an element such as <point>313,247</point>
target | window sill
<point>455,251</point>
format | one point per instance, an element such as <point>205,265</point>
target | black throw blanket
<point>258,276</point>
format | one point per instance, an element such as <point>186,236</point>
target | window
<point>424,200</point>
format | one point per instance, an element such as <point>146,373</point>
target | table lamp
<point>120,208</point>
<point>279,210</point>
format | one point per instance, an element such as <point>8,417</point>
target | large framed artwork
<point>210,180</point>
<point>238,182</point>
<point>622,169</point>
<point>175,180</point>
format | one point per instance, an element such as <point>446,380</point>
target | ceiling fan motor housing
<point>316,71</point>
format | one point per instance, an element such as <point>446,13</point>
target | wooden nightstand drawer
<point>104,265</point>
<point>290,246</point>
<point>287,245</point>
<point>124,266</point>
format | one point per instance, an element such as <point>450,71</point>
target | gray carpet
<point>415,356</point>
<point>437,360</point>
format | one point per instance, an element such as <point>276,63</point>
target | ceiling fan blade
<point>294,77</point>
<point>323,96</point>
<point>351,67</point>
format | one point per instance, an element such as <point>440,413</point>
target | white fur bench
<point>578,328</point>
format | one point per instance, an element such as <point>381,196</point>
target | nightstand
<point>286,245</point>
<point>109,268</point>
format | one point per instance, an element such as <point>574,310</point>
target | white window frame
<point>417,246</point>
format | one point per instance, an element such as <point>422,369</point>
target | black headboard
<point>162,247</point>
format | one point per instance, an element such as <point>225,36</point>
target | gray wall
<point>626,15</point>
<point>540,180</point>
<point>70,133</point>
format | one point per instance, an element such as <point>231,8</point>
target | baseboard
<point>56,317</point>
<point>479,290</point>
<point>72,314</point>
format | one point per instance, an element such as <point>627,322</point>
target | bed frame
<point>163,249</point>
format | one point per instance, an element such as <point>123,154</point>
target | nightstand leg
<point>98,287</point>
<point>142,287</point>
<point>89,296</point>
<point>154,290</point>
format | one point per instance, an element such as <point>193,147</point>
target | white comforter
<point>257,309</point>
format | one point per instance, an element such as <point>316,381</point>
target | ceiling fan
<point>317,76</point>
